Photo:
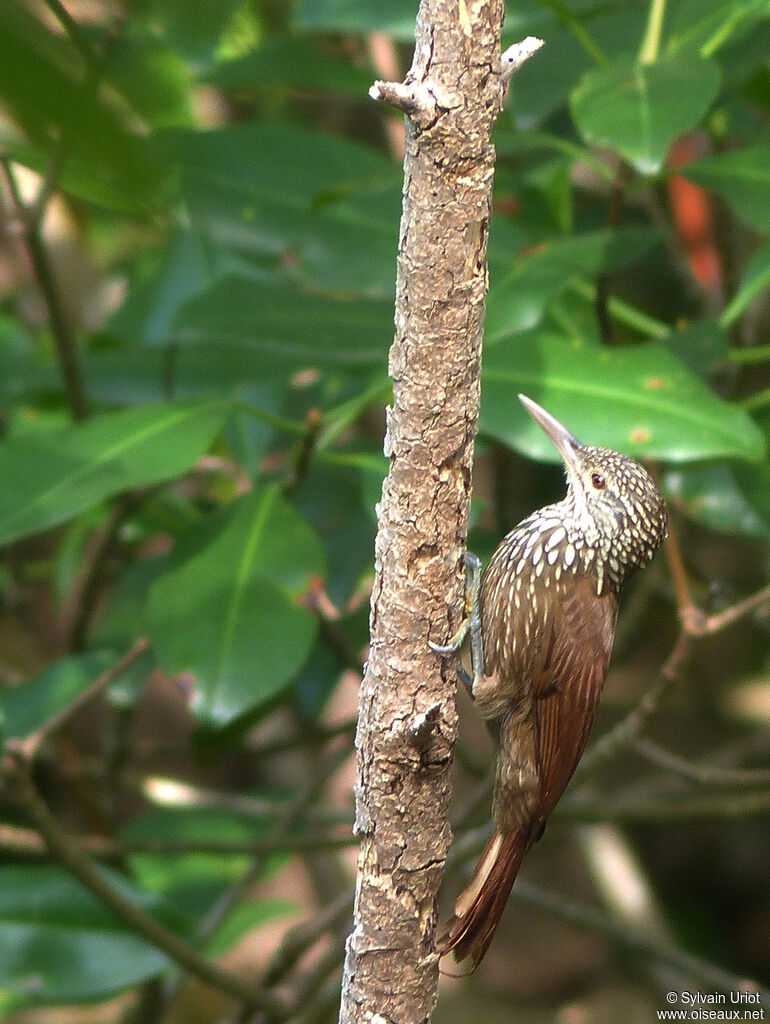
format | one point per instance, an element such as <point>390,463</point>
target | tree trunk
<point>407,718</point>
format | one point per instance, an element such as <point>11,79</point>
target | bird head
<point>612,505</point>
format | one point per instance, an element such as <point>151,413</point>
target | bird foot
<point>471,624</point>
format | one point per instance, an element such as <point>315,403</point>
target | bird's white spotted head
<point>613,512</point>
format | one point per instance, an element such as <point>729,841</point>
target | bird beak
<point>566,444</point>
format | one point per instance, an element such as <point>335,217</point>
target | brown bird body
<point>542,624</point>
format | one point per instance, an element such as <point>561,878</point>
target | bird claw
<point>454,643</point>
<point>471,624</point>
<point>443,650</point>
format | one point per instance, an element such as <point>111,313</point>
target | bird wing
<point>567,683</point>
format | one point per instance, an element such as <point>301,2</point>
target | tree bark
<point>407,717</point>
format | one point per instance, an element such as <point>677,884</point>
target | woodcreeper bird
<point>541,623</point>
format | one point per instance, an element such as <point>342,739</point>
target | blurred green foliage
<point>238,198</point>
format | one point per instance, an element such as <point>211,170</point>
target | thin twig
<point>304,453</point>
<point>586,917</point>
<point>61,331</point>
<point>130,914</point>
<point>145,750</point>
<point>81,601</point>
<point>37,209</point>
<point>34,741</point>
<point>742,749</point>
<point>323,1008</point>
<point>299,939</point>
<point>13,187</point>
<point>626,731</point>
<point>478,797</point>
<point>701,774</point>
<point>322,734</point>
<point>706,807</point>
<point>694,625</point>
<point>117,745</point>
<point>673,552</point>
<point>721,620</point>
<point>170,792</point>
<point>288,819</point>
<point>25,842</point>
<point>77,36</point>
<point>384,58</point>
<point>314,979</point>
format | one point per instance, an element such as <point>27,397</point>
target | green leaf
<point>519,301</point>
<point>227,612</point>
<point>710,495</point>
<point>45,86</point>
<point>191,881</point>
<point>754,481</point>
<point>741,178</point>
<point>741,47</point>
<point>246,918</point>
<point>327,208</point>
<point>154,77</point>
<point>536,96</point>
<point>51,475</point>
<point>640,400</point>
<point>332,500</point>
<point>139,375</point>
<point>579,36</point>
<point>139,190</point>
<point>28,706</point>
<point>59,945</point>
<point>121,619</point>
<point>395,17</point>
<point>329,660</point>
<point>183,271</point>
<point>754,281</point>
<point>703,345</point>
<point>287,327</point>
<point>294,62</point>
<point>21,370</point>
<point>706,25</point>
<point>194,30</point>
<point>638,110</point>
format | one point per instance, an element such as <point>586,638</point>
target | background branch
<point>30,219</point>
<point>34,741</point>
<point>708,974</point>
<point>701,774</point>
<point>129,913</point>
<point>289,817</point>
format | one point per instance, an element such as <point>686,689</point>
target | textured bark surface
<point>407,720</point>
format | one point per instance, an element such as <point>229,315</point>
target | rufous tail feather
<point>480,905</point>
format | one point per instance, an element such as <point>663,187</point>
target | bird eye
<point>598,481</point>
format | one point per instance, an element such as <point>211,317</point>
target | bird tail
<point>480,905</point>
